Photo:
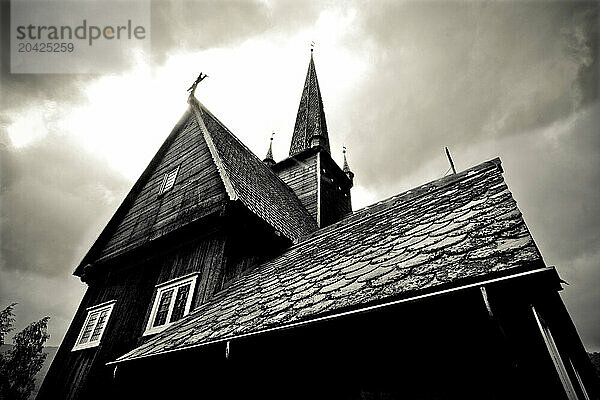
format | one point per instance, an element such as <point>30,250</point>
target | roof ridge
<point>197,109</point>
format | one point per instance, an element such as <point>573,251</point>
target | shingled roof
<point>464,227</point>
<point>250,181</point>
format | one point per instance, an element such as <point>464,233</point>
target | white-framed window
<point>169,181</point>
<point>94,325</point>
<point>172,301</point>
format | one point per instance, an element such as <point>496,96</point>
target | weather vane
<point>200,78</point>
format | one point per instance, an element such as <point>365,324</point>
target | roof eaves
<point>360,310</point>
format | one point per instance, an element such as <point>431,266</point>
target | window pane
<point>99,325</point>
<point>163,308</point>
<point>170,180</point>
<point>180,300</point>
<point>88,327</point>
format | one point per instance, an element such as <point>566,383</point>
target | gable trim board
<point>195,105</point>
<point>544,270</point>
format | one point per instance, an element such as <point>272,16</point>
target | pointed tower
<point>310,120</point>
<point>320,184</point>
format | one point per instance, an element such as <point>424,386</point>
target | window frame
<point>108,305</point>
<point>163,287</point>
<point>163,185</point>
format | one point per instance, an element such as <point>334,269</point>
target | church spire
<point>310,120</point>
<point>269,158</point>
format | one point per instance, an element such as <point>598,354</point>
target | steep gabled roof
<point>464,227</point>
<point>311,116</point>
<point>250,181</point>
<point>213,167</point>
<point>145,214</point>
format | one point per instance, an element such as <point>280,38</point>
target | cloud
<point>54,200</point>
<point>455,73</point>
<point>554,174</point>
<point>54,197</point>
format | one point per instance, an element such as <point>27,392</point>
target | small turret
<point>269,158</point>
<point>346,168</point>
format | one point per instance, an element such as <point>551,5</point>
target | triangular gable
<point>146,214</point>
<point>213,166</point>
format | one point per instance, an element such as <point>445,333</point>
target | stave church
<point>223,275</point>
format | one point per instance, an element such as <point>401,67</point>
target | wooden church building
<point>222,275</point>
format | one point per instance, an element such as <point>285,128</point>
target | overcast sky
<point>400,80</point>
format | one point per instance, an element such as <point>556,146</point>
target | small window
<point>168,181</point>
<point>93,328</point>
<point>173,300</point>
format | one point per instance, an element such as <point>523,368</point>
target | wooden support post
<point>486,300</point>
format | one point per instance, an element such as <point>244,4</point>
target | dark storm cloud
<point>176,27</point>
<point>21,90</point>
<point>554,175</point>
<point>54,200</point>
<point>53,196</point>
<point>458,72</point>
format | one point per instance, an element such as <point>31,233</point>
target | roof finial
<point>200,78</point>
<point>269,158</point>
<point>346,167</point>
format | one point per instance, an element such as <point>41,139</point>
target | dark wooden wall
<point>301,176</point>
<point>83,373</point>
<point>335,192</point>
<point>328,199</point>
<point>197,188</point>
